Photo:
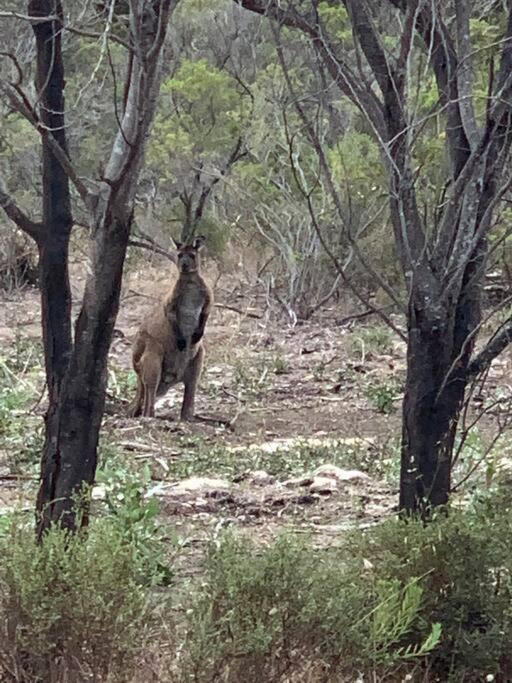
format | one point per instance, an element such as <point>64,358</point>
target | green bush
<point>466,559</point>
<point>429,601</point>
<point>289,613</point>
<point>383,396</point>
<point>72,608</point>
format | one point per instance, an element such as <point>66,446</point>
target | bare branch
<point>492,350</point>
<point>151,246</point>
<point>22,221</point>
<point>348,82</point>
<point>21,104</point>
<point>92,34</point>
<point>26,17</point>
<point>445,63</point>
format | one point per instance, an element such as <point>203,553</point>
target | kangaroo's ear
<point>199,243</point>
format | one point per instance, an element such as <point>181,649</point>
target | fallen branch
<point>256,316</point>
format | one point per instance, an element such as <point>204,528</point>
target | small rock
<point>98,492</point>
<point>338,474</point>
<point>298,481</point>
<point>261,478</point>
<point>324,485</point>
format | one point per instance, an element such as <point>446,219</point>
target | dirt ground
<point>313,412</point>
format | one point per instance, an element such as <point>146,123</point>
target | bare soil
<point>311,387</point>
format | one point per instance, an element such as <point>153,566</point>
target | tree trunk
<point>438,354</point>
<point>57,220</point>
<point>69,459</point>
<point>57,216</point>
<point>70,455</point>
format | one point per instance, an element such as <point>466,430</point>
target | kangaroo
<point>168,347</point>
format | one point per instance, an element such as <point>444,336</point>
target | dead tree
<point>195,197</point>
<point>76,360</point>
<point>444,261</point>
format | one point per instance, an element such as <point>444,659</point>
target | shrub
<point>430,601</point>
<point>285,612</point>
<point>383,396</point>
<point>71,608</point>
<point>466,559</point>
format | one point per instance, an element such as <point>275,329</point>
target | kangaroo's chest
<point>189,310</point>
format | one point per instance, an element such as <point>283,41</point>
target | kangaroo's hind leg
<point>151,366</point>
<point>190,379</point>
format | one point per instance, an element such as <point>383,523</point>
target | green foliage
<point>207,114</point>
<point>397,599</point>
<point>290,459</point>
<point>336,21</point>
<point>264,614</point>
<point>280,365</point>
<point>356,164</point>
<point>465,559</point>
<point>383,396</point>
<point>374,340</point>
<point>71,607</point>
<point>121,383</point>
<point>135,516</point>
<point>21,375</point>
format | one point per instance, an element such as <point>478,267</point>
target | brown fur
<point>169,347</point>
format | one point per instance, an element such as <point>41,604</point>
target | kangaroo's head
<point>189,259</point>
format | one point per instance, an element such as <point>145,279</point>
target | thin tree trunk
<point>79,412</point>
<point>57,216</point>
<point>57,220</point>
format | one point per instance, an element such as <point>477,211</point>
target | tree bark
<point>69,459</point>
<point>70,455</point>
<point>57,217</point>
<point>53,238</point>
<point>431,408</point>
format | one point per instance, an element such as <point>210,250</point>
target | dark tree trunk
<point>429,420</point>
<point>70,455</point>
<point>53,243</point>
<point>57,216</point>
<point>438,354</point>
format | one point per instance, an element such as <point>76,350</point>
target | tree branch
<point>22,221</point>
<point>348,82</point>
<point>491,350</point>
<point>21,104</point>
<point>443,56</point>
<point>26,17</point>
<point>151,246</point>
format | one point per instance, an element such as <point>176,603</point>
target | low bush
<point>432,603</point>
<point>290,613</point>
<point>466,560</point>
<point>73,608</point>
<point>401,601</point>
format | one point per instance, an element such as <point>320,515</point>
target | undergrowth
<point>72,608</point>
<point>428,602</point>
<point>401,601</point>
<point>21,384</point>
